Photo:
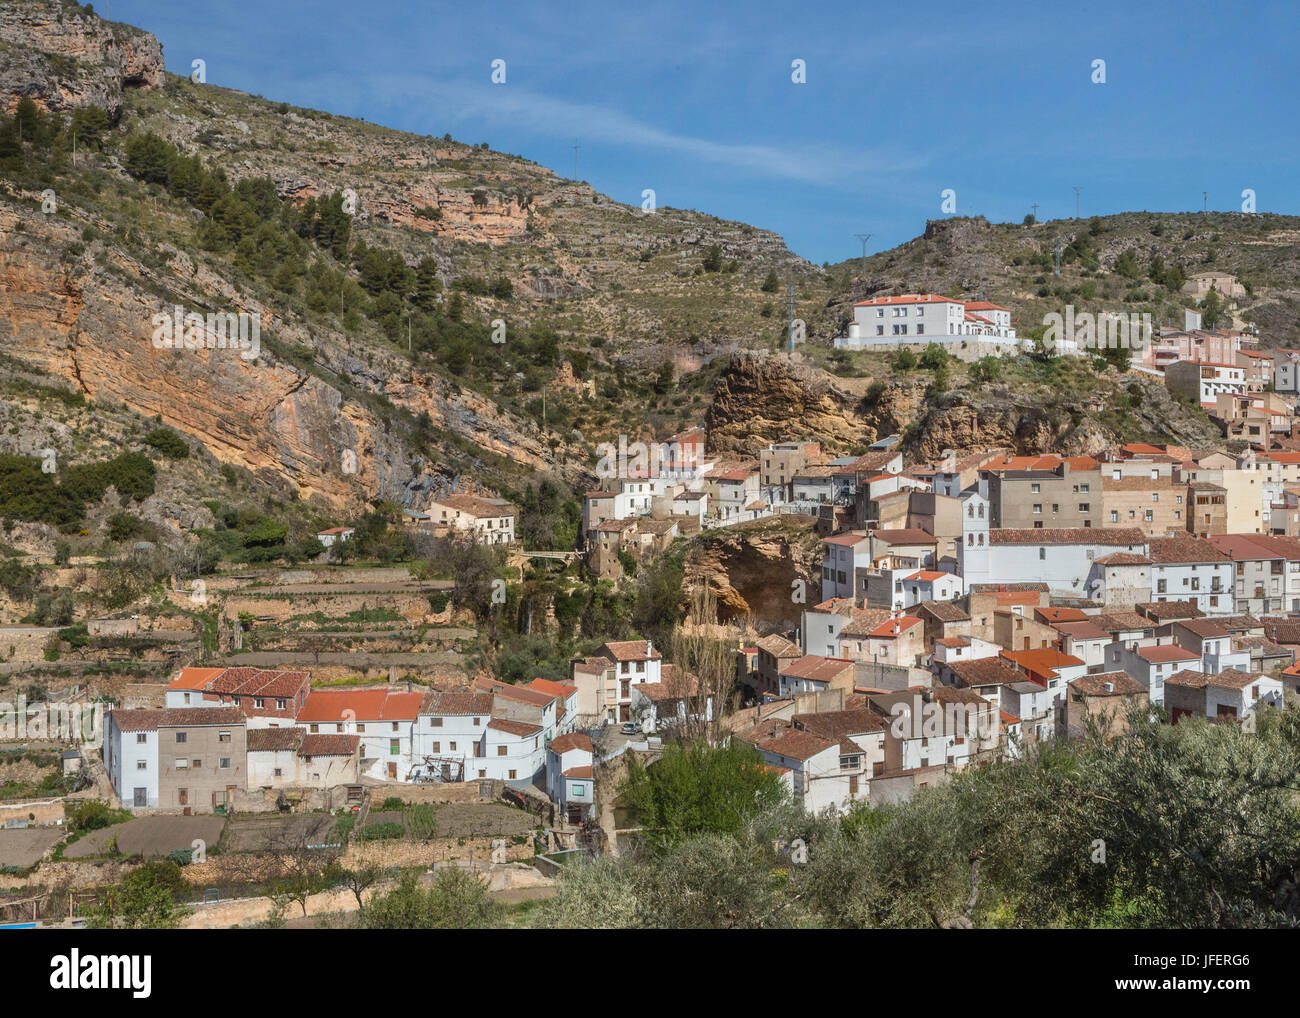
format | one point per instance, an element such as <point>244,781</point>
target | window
<point>1035,488</point>
<point>182,764</point>
<point>258,702</point>
<point>224,763</point>
<point>142,765</point>
<point>437,722</point>
<point>1114,516</point>
<point>437,747</point>
<point>197,762</point>
<point>579,789</point>
<point>1042,553</point>
<point>280,704</point>
<point>182,797</point>
<point>501,751</point>
<point>1038,507</point>
<point>223,737</point>
<point>394,747</point>
<point>277,773</point>
<point>361,727</point>
<point>394,726</point>
<point>315,729</point>
<point>512,775</point>
<point>452,746</point>
<point>180,736</point>
<point>141,738</point>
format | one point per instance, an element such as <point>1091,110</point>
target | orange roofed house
<point>383,721</point>
<point>487,520</point>
<point>269,697</point>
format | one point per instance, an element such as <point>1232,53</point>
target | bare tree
<point>704,666</point>
<point>307,868</point>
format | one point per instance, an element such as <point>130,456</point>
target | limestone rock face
<point>762,399</point>
<point>61,57</point>
<point>66,314</point>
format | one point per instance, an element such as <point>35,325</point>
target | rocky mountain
<point>331,410</point>
<point>1064,405</point>
<point>62,56</point>
<point>1131,262</point>
<point>603,316</point>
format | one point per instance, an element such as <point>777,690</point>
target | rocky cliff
<point>84,313</point>
<point>762,575</point>
<point>764,398</point>
<point>62,56</point>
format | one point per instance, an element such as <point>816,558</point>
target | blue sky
<point>901,102</point>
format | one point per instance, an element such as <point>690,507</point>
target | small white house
<point>570,776</point>
<point>335,535</point>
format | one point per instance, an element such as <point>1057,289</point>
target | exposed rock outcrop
<point>61,57</point>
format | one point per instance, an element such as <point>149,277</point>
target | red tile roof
<point>574,740</point>
<point>331,705</point>
<point>149,719</point>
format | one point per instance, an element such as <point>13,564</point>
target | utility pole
<point>789,318</point>
<point>575,158</point>
<point>1205,201</point>
<point>1034,206</point>
<point>1057,259</point>
<point>864,237</point>
<point>1076,201</point>
<point>981,263</point>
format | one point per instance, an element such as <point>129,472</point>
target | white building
<point>571,776</point>
<point>487,520</point>
<point>1192,569</point>
<point>924,318</point>
<point>1064,559</point>
<point>383,721</point>
<point>335,535</point>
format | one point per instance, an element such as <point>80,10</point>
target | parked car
<point>630,728</point>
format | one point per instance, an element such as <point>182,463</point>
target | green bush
<point>386,831</point>
<point>90,815</point>
<point>168,443</point>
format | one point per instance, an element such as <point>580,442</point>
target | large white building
<point>1064,559</point>
<point>925,318</point>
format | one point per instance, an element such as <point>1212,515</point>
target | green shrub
<point>382,832</point>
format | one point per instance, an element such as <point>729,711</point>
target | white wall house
<point>384,723</point>
<point>448,736</point>
<point>1191,568</point>
<point>1151,665</point>
<point>845,554</point>
<point>131,760</point>
<point>571,776</point>
<point>1064,559</point>
<point>924,318</point>
<point>487,520</point>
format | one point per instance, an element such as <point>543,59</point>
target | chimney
<point>776,732</point>
<point>649,649</point>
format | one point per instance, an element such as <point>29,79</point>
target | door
<point>140,798</point>
<point>392,771</point>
